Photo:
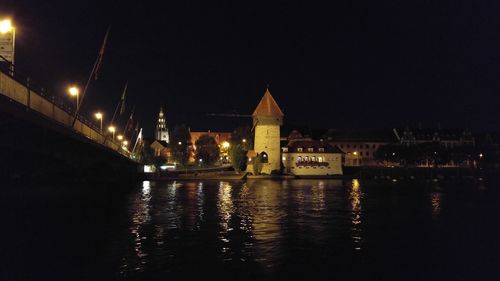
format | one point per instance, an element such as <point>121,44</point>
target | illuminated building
<point>267,119</point>
<point>307,157</point>
<point>161,128</point>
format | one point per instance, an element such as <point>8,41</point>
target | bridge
<point>40,138</point>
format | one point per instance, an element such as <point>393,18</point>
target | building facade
<point>360,146</point>
<point>448,138</point>
<point>306,157</point>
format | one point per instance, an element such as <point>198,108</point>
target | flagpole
<point>116,110</point>
<point>139,136</point>
<point>99,57</point>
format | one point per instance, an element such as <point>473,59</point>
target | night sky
<point>359,64</point>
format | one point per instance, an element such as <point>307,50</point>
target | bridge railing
<point>22,90</point>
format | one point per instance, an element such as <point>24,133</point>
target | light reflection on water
<point>260,225</point>
<point>355,196</point>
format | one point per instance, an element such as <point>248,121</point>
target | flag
<point>101,54</point>
<point>129,127</point>
<point>122,100</point>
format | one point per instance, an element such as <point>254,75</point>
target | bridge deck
<point>25,95</point>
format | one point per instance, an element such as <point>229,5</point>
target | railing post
<point>53,108</point>
<point>28,103</point>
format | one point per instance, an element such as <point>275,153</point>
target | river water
<point>254,230</point>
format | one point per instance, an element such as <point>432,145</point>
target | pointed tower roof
<point>268,106</point>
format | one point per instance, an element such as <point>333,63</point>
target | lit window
<point>321,149</point>
<point>313,158</point>
<point>310,149</point>
<point>284,158</point>
<point>299,159</point>
<point>299,149</point>
<point>320,159</point>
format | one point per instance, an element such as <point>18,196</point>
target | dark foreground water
<point>258,230</point>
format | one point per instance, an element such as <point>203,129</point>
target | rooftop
<point>268,107</point>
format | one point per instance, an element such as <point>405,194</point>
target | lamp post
<point>112,129</point>
<point>8,42</point>
<point>74,92</point>
<point>98,116</point>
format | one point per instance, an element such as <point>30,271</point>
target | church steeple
<point>161,127</point>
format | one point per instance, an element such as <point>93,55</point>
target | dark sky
<point>362,64</point>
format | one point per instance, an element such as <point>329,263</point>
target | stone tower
<point>161,128</point>
<point>267,119</point>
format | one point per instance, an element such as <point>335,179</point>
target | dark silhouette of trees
<point>207,150</point>
<point>180,139</point>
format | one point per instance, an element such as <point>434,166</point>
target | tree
<point>207,149</point>
<point>238,156</point>
<point>180,138</point>
<point>241,141</point>
<point>243,136</point>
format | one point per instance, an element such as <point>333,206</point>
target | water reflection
<point>263,224</point>
<point>436,204</point>
<point>140,217</point>
<point>355,197</point>
<point>318,196</point>
<point>267,211</point>
<point>225,205</point>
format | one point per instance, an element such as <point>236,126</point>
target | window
<point>284,158</point>
<point>354,146</point>
<point>320,159</point>
<point>264,158</point>
<point>313,158</point>
<point>341,146</point>
<point>310,149</point>
<point>299,149</point>
<point>367,146</point>
<point>348,146</point>
<point>306,158</point>
<point>321,149</point>
<point>299,159</point>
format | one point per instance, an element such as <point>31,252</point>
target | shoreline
<point>372,173</point>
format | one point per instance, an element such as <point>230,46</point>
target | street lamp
<point>74,92</point>
<point>112,129</point>
<point>119,137</point>
<point>98,116</point>
<point>8,42</point>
